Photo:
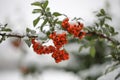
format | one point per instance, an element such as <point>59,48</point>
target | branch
<point>18,36</point>
<point>103,36</point>
<point>88,34</point>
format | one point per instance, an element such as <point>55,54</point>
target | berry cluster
<point>57,54</point>
<point>60,55</point>
<point>40,49</point>
<point>74,29</point>
<point>58,39</point>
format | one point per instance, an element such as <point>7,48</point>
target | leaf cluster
<point>4,28</point>
<point>46,17</point>
<point>101,26</point>
<point>100,31</point>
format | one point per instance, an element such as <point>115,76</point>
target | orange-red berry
<point>60,55</point>
<point>73,28</point>
<point>58,39</point>
<point>57,54</point>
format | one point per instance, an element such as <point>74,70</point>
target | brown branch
<point>16,35</point>
<point>88,34</point>
<point>103,36</point>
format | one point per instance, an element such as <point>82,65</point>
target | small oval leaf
<point>35,22</point>
<point>28,42</point>
<point>43,24</point>
<point>45,5</point>
<point>102,21</point>
<point>111,30</point>
<point>36,11</point>
<point>109,18</point>
<point>36,4</point>
<point>56,14</point>
<point>92,51</point>
<point>102,11</point>
<point>7,30</point>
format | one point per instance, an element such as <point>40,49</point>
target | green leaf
<point>5,25</point>
<point>28,42</point>
<point>7,29</point>
<point>45,4</point>
<point>48,9</point>
<point>106,31</point>
<point>102,11</point>
<point>28,30</point>
<point>115,33</point>
<point>99,15</point>
<point>52,29</point>
<point>75,18</point>
<point>37,4</point>
<point>2,38</point>
<point>118,76</point>
<point>97,24</point>
<point>48,14</point>
<point>92,51</point>
<point>80,48</point>
<point>36,11</point>
<point>107,26</point>
<point>35,22</point>
<point>109,18</point>
<point>31,31</point>
<point>79,18</point>
<point>57,14</point>
<point>102,21</point>
<point>59,22</point>
<point>55,21</point>
<point>111,29</point>
<point>43,24</point>
<point>48,33</point>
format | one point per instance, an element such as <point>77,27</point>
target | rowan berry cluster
<point>74,29</point>
<point>57,54</point>
<point>59,41</point>
<point>60,55</point>
<point>40,49</point>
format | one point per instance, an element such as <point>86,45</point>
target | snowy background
<point>18,15</point>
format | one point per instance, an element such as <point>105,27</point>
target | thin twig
<point>18,36</point>
<point>103,36</point>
